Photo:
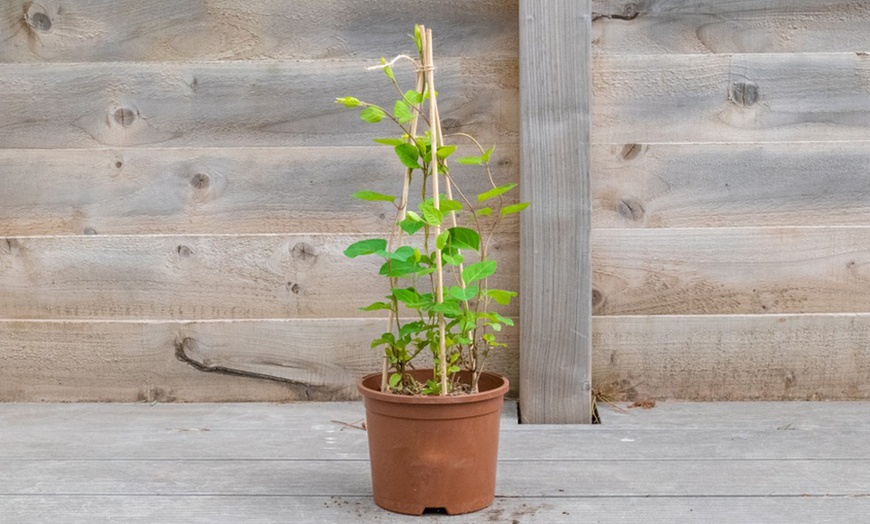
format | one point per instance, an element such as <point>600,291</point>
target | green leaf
<point>389,141</point>
<point>447,206</point>
<point>411,328</point>
<point>387,69</point>
<point>408,154</point>
<point>413,97</point>
<point>449,307</point>
<point>464,238</point>
<point>504,320</point>
<point>514,208</point>
<point>445,151</point>
<point>398,268</point>
<point>483,212</point>
<point>375,306</point>
<point>409,225</point>
<point>372,196</point>
<point>441,241</point>
<point>494,192</point>
<point>404,253</point>
<point>487,154</point>
<point>395,378</point>
<point>372,114</point>
<point>408,296</point>
<point>463,294</point>
<point>471,160</point>
<point>348,101</point>
<point>418,39</point>
<point>365,247</point>
<point>501,296</point>
<point>454,259</point>
<point>431,215</point>
<point>402,112</point>
<point>478,271</point>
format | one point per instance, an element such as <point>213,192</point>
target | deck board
<point>677,462</point>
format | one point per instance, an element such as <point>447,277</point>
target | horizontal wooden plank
<point>165,30</point>
<point>317,359</point>
<point>731,270</point>
<point>213,190</point>
<point>735,478</point>
<point>733,357</point>
<point>200,277</point>
<point>729,26</point>
<point>236,103</point>
<point>146,509</point>
<point>730,98</point>
<point>700,185</point>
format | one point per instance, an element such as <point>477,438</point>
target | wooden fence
<point>174,183</point>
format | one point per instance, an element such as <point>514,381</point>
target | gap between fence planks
<point>555,288</point>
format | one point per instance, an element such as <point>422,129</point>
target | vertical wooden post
<point>556,290</point>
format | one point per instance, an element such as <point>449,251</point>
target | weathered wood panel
<point>555,282</point>
<point>701,185</point>
<point>200,277</point>
<point>731,98</point>
<point>739,357</point>
<point>211,190</point>
<point>98,361</point>
<point>213,509</point>
<point>729,26</point>
<point>734,477</point>
<point>235,104</point>
<point>167,30</point>
<point>731,270</point>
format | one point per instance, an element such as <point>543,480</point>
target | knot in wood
<point>200,181</point>
<point>89,231</point>
<point>630,151</point>
<point>630,209</point>
<point>304,252</point>
<point>597,298</point>
<point>744,94</point>
<point>37,20</point>
<point>450,124</point>
<point>183,251</point>
<point>125,116</point>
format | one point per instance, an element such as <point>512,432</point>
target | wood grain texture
<point>554,232</point>
<point>733,357</point>
<point>165,30</point>
<point>212,190</point>
<point>729,26</point>
<point>731,270</point>
<point>731,98</point>
<point>235,104</point>
<point>704,185</point>
<point>101,361</point>
<point>200,277</point>
<point>211,509</point>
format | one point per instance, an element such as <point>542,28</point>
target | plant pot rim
<point>369,387</point>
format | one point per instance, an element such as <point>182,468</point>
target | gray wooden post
<point>555,310</point>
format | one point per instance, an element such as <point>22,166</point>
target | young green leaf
<point>389,141</point>
<point>418,38</point>
<point>411,328</point>
<point>431,215</point>
<point>454,259</point>
<point>375,306</point>
<point>464,238</point>
<point>441,241</point>
<point>395,378</point>
<point>413,97</point>
<point>408,154</point>
<point>487,154</point>
<point>372,114</point>
<point>449,307</point>
<point>408,296</point>
<point>348,101</point>
<point>463,294</point>
<point>372,196</point>
<point>471,160</point>
<point>494,192</point>
<point>447,206</point>
<point>387,69</point>
<point>514,208</point>
<point>445,151</point>
<point>365,247</point>
<point>483,212</point>
<point>402,112</point>
<point>410,225</point>
<point>399,268</point>
<point>478,271</point>
<point>501,296</point>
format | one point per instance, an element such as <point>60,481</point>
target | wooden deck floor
<point>210,463</point>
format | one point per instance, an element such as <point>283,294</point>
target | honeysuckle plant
<point>436,258</point>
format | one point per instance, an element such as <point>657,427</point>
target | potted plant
<point>432,412</point>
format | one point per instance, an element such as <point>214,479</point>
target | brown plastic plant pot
<point>432,452</point>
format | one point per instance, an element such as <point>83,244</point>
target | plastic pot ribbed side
<point>433,452</point>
